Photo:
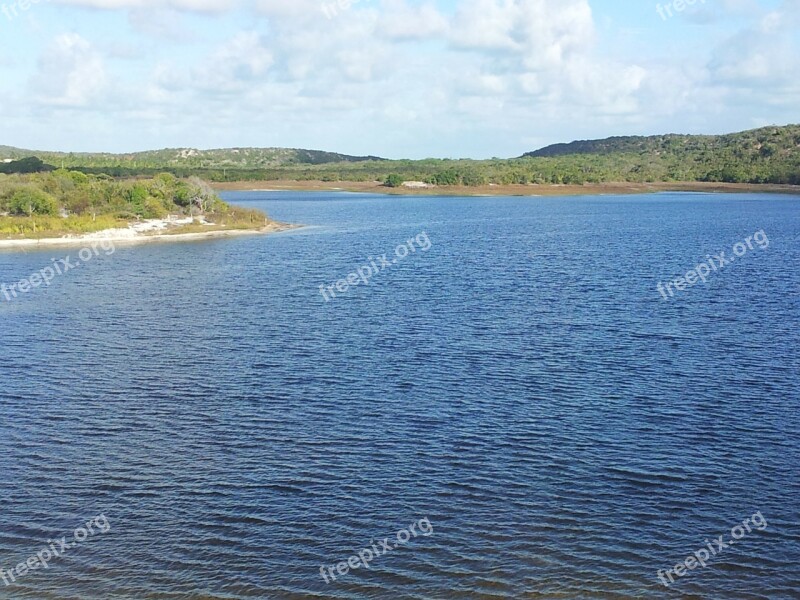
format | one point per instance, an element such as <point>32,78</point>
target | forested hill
<point>766,155</point>
<point>770,155</point>
<point>235,158</point>
<point>756,143</point>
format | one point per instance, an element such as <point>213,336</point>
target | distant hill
<point>235,158</point>
<point>770,155</point>
<point>765,155</point>
<point>756,143</point>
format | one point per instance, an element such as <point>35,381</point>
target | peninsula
<point>163,194</point>
<point>66,207</point>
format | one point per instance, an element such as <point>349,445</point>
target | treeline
<point>159,160</point>
<point>32,164</point>
<point>644,167</point>
<point>63,192</point>
<point>767,155</point>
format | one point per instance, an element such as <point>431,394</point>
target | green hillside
<point>766,155</point>
<point>766,141</point>
<point>188,158</point>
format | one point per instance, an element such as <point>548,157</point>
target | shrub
<point>394,180</point>
<point>153,209</point>
<point>30,201</point>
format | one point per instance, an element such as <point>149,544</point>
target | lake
<point>512,383</point>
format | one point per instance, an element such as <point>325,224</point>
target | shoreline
<point>133,235</point>
<point>592,189</point>
<point>102,237</point>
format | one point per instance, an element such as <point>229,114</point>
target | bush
<point>394,180</point>
<point>30,201</point>
<point>448,177</point>
<point>136,194</point>
<point>90,200</point>
<point>153,209</point>
<point>473,178</point>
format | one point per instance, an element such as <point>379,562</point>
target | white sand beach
<point>146,231</point>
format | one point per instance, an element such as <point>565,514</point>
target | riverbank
<point>593,189</point>
<point>148,231</point>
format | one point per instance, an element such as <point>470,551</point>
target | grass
<point>38,227</point>
<point>234,218</point>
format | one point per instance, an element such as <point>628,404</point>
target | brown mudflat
<point>508,190</point>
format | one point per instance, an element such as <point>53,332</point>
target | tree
<point>203,196</point>
<point>394,180</point>
<point>30,201</point>
<point>447,177</point>
<point>26,165</point>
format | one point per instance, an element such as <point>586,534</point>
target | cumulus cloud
<point>402,21</point>
<point>71,73</point>
<point>545,51</point>
<point>160,22</point>
<point>207,6</point>
<point>240,62</point>
<point>297,9</point>
<point>543,31</point>
<point>765,54</point>
<point>409,73</point>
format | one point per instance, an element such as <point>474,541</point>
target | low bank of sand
<point>593,189</point>
<point>151,230</point>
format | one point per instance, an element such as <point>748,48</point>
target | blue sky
<point>396,78</point>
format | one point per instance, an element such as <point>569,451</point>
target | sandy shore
<point>507,190</point>
<point>143,232</point>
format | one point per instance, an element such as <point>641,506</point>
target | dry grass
<point>38,227</point>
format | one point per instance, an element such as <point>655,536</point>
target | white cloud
<point>402,21</point>
<point>296,9</point>
<point>160,22</point>
<point>71,73</point>
<point>207,6</point>
<point>397,76</point>
<point>765,55</point>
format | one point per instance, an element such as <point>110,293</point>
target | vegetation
<point>767,155</point>
<point>60,202</point>
<point>394,180</point>
<point>17,228</point>
<point>30,164</point>
<point>187,158</point>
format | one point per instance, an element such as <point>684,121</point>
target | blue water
<point>521,384</point>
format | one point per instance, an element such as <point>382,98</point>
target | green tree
<point>447,177</point>
<point>31,201</point>
<point>153,209</point>
<point>394,180</point>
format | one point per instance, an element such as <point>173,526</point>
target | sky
<point>393,78</point>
